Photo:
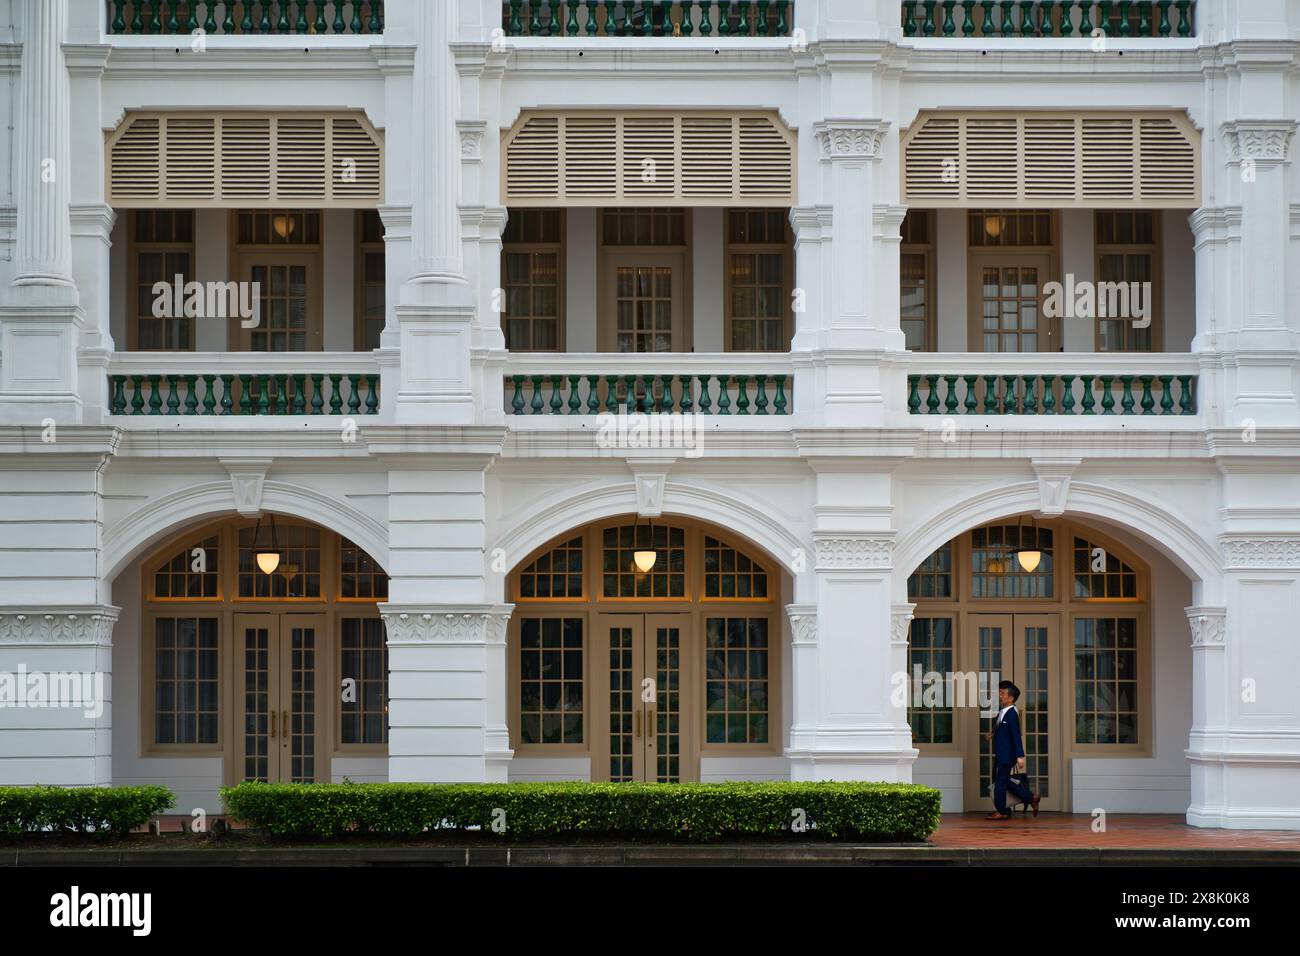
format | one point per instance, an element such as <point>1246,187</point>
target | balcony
<point>1059,19</point>
<point>251,18</point>
<point>647,18</point>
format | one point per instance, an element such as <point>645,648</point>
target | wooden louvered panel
<point>932,160</point>
<point>246,158</point>
<point>1051,159</point>
<point>196,159</point>
<point>649,157</point>
<point>631,158</point>
<point>1029,160</point>
<point>300,164</point>
<point>1166,160</point>
<point>708,156</point>
<point>766,165</point>
<point>356,165</point>
<point>988,174</point>
<point>133,167</point>
<point>190,148</point>
<point>533,160</point>
<point>591,157</point>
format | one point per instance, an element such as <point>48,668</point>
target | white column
<point>436,308</point>
<point>40,319</point>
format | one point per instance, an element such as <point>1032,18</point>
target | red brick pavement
<point>1123,831</point>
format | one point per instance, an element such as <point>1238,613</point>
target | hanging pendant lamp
<point>644,559</point>
<point>1028,557</point>
<point>268,559</point>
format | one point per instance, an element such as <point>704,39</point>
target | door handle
<point>636,733</point>
<point>272,723</point>
<point>284,726</point>
<point>649,726</point>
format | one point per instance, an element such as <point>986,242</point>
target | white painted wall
<point>580,270</point>
<point>708,254</point>
<point>950,280</point>
<point>1179,268</point>
<point>212,263</point>
<point>339,262</point>
<point>1078,258</point>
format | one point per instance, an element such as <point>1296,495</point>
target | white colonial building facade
<point>327,439</point>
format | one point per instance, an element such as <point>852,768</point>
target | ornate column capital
<point>67,626</point>
<point>843,139</point>
<point>1250,552</point>
<point>1261,141</point>
<point>446,623</point>
<point>900,623</point>
<point>803,623</point>
<point>471,139</point>
<point>1209,625</point>
<point>854,551</point>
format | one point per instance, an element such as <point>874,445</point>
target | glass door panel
<point>642,307</point>
<point>1007,303</point>
<point>288,302</point>
<point>280,709</point>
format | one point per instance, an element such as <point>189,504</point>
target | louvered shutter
<point>631,158</point>
<point>198,159</point>
<point>1027,160</point>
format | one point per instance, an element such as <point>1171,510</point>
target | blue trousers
<point>1002,782</point>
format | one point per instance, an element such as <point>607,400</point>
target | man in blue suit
<point>1008,752</point>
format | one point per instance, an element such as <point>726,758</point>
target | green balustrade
<point>953,394</point>
<point>1047,18</point>
<point>647,18</point>
<point>257,17</point>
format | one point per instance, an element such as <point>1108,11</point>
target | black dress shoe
<point>1034,803</point>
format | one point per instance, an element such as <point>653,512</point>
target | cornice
<point>854,551</point>
<point>86,59</point>
<point>73,446</point>
<point>472,445</point>
<point>176,60</point>
<point>419,624</point>
<point>1255,552</point>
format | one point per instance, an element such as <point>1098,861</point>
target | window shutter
<point>198,159</point>
<point>613,159</point>
<point>1028,160</point>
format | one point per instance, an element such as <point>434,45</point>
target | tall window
<point>736,680</point>
<point>370,280</point>
<point>759,260</point>
<point>916,296</point>
<point>930,710</point>
<point>162,248</point>
<point>1105,680</point>
<point>550,680</point>
<point>532,269</point>
<point>185,670</point>
<point>363,669</point>
<point>1127,260</point>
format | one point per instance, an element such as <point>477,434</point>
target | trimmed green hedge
<point>528,811</point>
<point>80,809</point>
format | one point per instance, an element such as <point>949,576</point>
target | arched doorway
<point>624,674</point>
<point>1073,633</point>
<point>278,667</point>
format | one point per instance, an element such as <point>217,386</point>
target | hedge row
<point>528,811</point>
<point>80,809</point>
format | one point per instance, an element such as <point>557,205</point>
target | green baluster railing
<point>317,399</point>
<point>245,406</point>
<point>1031,402</point>
<point>340,25</point>
<point>1107,396</point>
<point>119,19</point>
<point>1065,22</point>
<point>928,24</point>
<point>647,403</point>
<point>949,27</point>
<point>191,394</point>
<point>571,23</point>
<point>557,393</point>
<point>1125,27</point>
<point>1026,19</point>
<point>1049,394</point>
<point>117,388</point>
<point>914,394</point>
<point>336,396</point>
<point>968,23</point>
<point>1184,18</point>
<point>536,405</point>
<point>783,18</point>
<point>1067,394</point>
<point>971,405</point>
<point>742,399</point>
<point>761,25</point>
<point>299,394</point>
<point>320,25</point>
<point>1085,19</point>
<point>1165,28</point>
<point>986,25</point>
<point>535,20</point>
<point>909,18</point>
<point>1148,400</point>
<point>1009,395</point>
<point>1089,400</point>
<point>355,23</point>
<point>687,404</point>
<point>706,26</point>
<point>706,403</point>
<point>990,394</point>
<point>1187,400</point>
<point>173,25</point>
<point>282,395</point>
<point>227,397</point>
<point>575,404</point>
<point>517,401</point>
<point>724,396</point>
<point>137,398</point>
<point>300,21</point>
<point>950,401</point>
<point>780,403</point>
<point>1166,394</point>
<point>376,16</point>
<point>932,395</point>
<point>760,403</point>
<point>1127,401</point>
<point>591,18</point>
<point>372,394</point>
<point>173,397</point>
<point>155,395</point>
<point>593,394</point>
<point>263,385</point>
<point>354,397</point>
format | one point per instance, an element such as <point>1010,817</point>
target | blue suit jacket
<point>1006,738</point>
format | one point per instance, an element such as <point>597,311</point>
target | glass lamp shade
<point>268,561</point>
<point>993,226</point>
<point>645,560</point>
<point>284,225</point>
<point>1029,560</point>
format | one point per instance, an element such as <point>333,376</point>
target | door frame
<point>689,691</point>
<point>247,256</point>
<point>279,624</point>
<point>676,258</point>
<point>983,257</point>
<point>1058,762</point>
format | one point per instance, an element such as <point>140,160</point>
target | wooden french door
<point>1006,303</point>
<point>1021,648</point>
<point>643,719</point>
<point>643,307</point>
<point>281,732</point>
<point>289,302</point>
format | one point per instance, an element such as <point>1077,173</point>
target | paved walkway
<point>1123,831</point>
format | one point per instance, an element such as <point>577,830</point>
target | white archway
<point>1167,532</point>
<point>170,514</point>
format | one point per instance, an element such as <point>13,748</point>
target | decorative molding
<point>803,623</point>
<point>900,623</point>
<point>1262,141</point>
<point>471,139</point>
<point>1209,625</point>
<point>854,551</point>
<point>247,479</point>
<point>1253,552</point>
<point>650,476</point>
<point>89,624</point>
<point>446,624</point>
<point>1054,483</point>
<point>851,139</point>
